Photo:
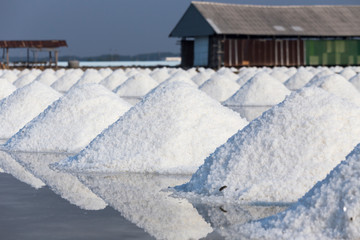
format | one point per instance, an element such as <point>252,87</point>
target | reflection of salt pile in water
<point>330,210</point>
<point>114,80</point>
<point>281,154</point>
<point>23,105</point>
<point>337,85</point>
<point>64,83</point>
<point>6,88</point>
<point>219,87</point>
<point>47,77</point>
<point>70,123</point>
<point>257,95</point>
<point>139,199</point>
<point>299,79</point>
<point>10,166</point>
<point>27,78</point>
<point>64,184</point>
<point>171,130</point>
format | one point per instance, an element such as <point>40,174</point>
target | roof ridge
<point>270,6</point>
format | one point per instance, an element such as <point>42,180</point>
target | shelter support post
<point>56,58</point>
<point>7,56</point>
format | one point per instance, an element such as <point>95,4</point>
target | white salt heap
<point>299,79</point>
<point>245,74</point>
<point>136,86</point>
<point>23,105</point>
<point>64,83</point>
<point>337,85</point>
<point>219,87</point>
<point>11,76</point>
<point>47,77</point>
<point>330,210</point>
<point>201,77</point>
<point>105,72</point>
<point>114,80</point>
<point>90,76</point>
<point>279,75</point>
<point>347,73</point>
<point>282,154</point>
<point>160,74</point>
<point>172,130</point>
<point>27,78</point>
<point>227,73</point>
<point>70,123</point>
<point>6,88</point>
<point>257,95</point>
<point>355,80</point>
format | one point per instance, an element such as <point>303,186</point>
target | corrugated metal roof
<point>33,44</point>
<point>321,20</point>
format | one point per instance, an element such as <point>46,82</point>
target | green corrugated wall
<point>332,52</point>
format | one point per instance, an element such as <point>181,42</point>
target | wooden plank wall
<point>263,52</point>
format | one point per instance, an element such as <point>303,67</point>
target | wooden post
<point>28,58</point>
<point>7,56</point>
<point>50,58</point>
<point>56,58</point>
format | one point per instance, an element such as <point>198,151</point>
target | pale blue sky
<point>94,27</point>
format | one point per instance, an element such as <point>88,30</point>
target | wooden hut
<point>218,34</point>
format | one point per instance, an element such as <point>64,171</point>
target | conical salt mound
<point>114,80</point>
<point>279,75</point>
<point>201,77</point>
<point>136,86</point>
<point>282,154</point>
<point>245,75</point>
<point>227,73</point>
<point>6,88</point>
<point>26,79</point>
<point>355,80</point>
<point>160,75</point>
<point>299,79</point>
<point>64,83</point>
<point>330,210</point>
<point>47,77</point>
<point>23,105</point>
<point>171,130</point>
<point>257,95</point>
<point>347,73</point>
<point>90,76</point>
<point>337,85</point>
<point>11,76</point>
<point>219,87</point>
<point>70,123</point>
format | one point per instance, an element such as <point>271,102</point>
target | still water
<point>107,206</point>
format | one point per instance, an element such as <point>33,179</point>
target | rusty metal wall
<point>263,52</point>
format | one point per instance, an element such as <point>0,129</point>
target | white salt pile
<point>219,87</point>
<point>6,88</point>
<point>11,76</point>
<point>105,72</point>
<point>245,74</point>
<point>299,79</point>
<point>27,78</point>
<point>355,80</point>
<point>64,184</point>
<point>257,95</point>
<point>90,76</point>
<point>60,72</point>
<point>201,77</point>
<point>347,73</point>
<point>64,83</point>
<point>279,75</point>
<point>10,166</point>
<point>172,130</point>
<point>282,154</point>
<point>136,86</point>
<point>114,80</point>
<point>47,77</point>
<point>330,210</point>
<point>70,123</point>
<point>337,85</point>
<point>227,73</point>
<point>140,199</point>
<point>23,105</point>
<point>160,74</point>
